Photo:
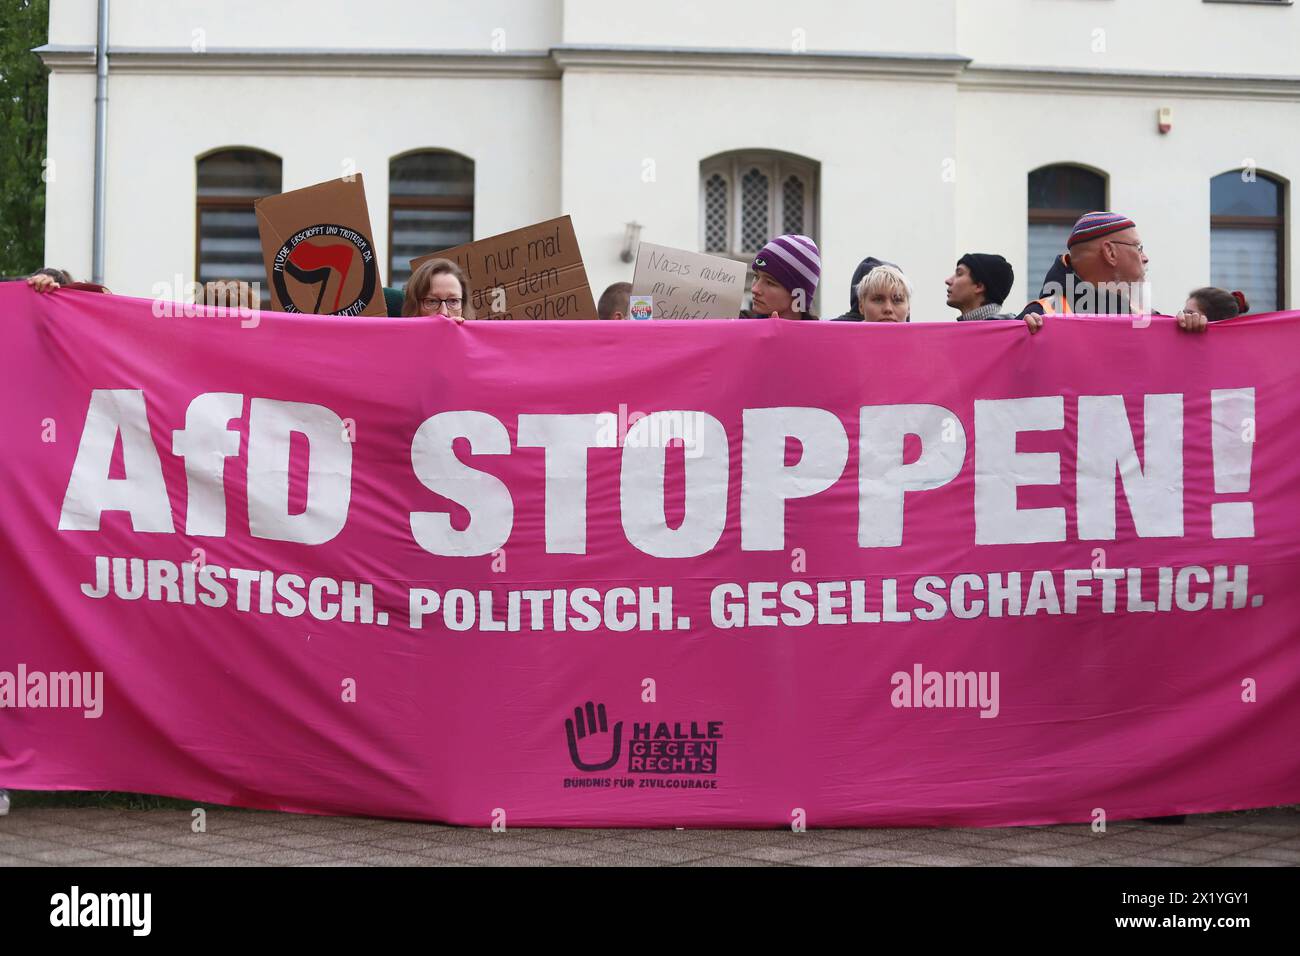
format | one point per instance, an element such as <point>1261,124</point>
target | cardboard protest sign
<point>530,273</point>
<point>318,252</point>
<point>688,285</point>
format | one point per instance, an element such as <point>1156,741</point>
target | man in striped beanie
<point>786,271</point>
<point>1107,269</point>
<point>1096,225</point>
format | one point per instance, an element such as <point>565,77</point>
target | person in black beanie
<point>864,267</point>
<point>979,286</point>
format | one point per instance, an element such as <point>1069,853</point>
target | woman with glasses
<point>438,287</point>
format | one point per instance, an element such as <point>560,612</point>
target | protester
<point>613,302</point>
<point>1106,264</point>
<point>1056,275</point>
<point>61,276</point>
<point>885,295</point>
<point>394,299</point>
<point>438,287</point>
<point>860,273</point>
<point>979,285</point>
<point>786,271</point>
<point>45,281</point>
<point>1216,304</point>
<point>231,294</point>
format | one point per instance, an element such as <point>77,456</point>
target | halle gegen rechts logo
<point>659,750</point>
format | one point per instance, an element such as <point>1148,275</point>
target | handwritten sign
<point>317,249</point>
<point>530,273</point>
<point>688,285</point>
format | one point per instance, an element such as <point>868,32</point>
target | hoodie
<point>1055,278</point>
<point>865,266</point>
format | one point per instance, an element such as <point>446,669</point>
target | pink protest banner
<point>679,574</point>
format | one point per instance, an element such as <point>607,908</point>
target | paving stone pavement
<point>112,837</point>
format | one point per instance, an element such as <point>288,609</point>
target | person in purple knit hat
<point>786,271</point>
<point>1105,274</point>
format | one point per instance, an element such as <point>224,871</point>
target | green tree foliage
<point>24,24</point>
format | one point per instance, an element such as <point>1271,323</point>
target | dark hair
<point>1219,304</point>
<point>614,299</point>
<point>417,287</point>
<point>61,276</point>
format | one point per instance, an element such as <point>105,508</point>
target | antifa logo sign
<point>326,269</point>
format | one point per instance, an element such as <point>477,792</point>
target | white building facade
<point>910,130</point>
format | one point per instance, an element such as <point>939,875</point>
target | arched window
<point>430,207</point>
<point>1247,230</point>
<point>228,246</point>
<point>1058,196</point>
<point>746,198</point>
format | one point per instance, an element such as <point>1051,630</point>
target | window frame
<point>1275,223</point>
<point>427,202</point>
<point>1056,216</point>
<point>1062,216</point>
<point>202,203</point>
<point>778,167</point>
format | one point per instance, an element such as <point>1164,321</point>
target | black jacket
<point>1055,278</point>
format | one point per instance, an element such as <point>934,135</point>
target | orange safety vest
<point>1055,305</point>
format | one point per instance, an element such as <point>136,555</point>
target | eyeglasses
<point>433,303</point>
<point>1120,242</point>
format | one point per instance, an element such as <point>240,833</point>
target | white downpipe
<point>101,140</point>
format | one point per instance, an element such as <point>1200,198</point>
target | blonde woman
<point>438,287</point>
<point>885,295</point>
